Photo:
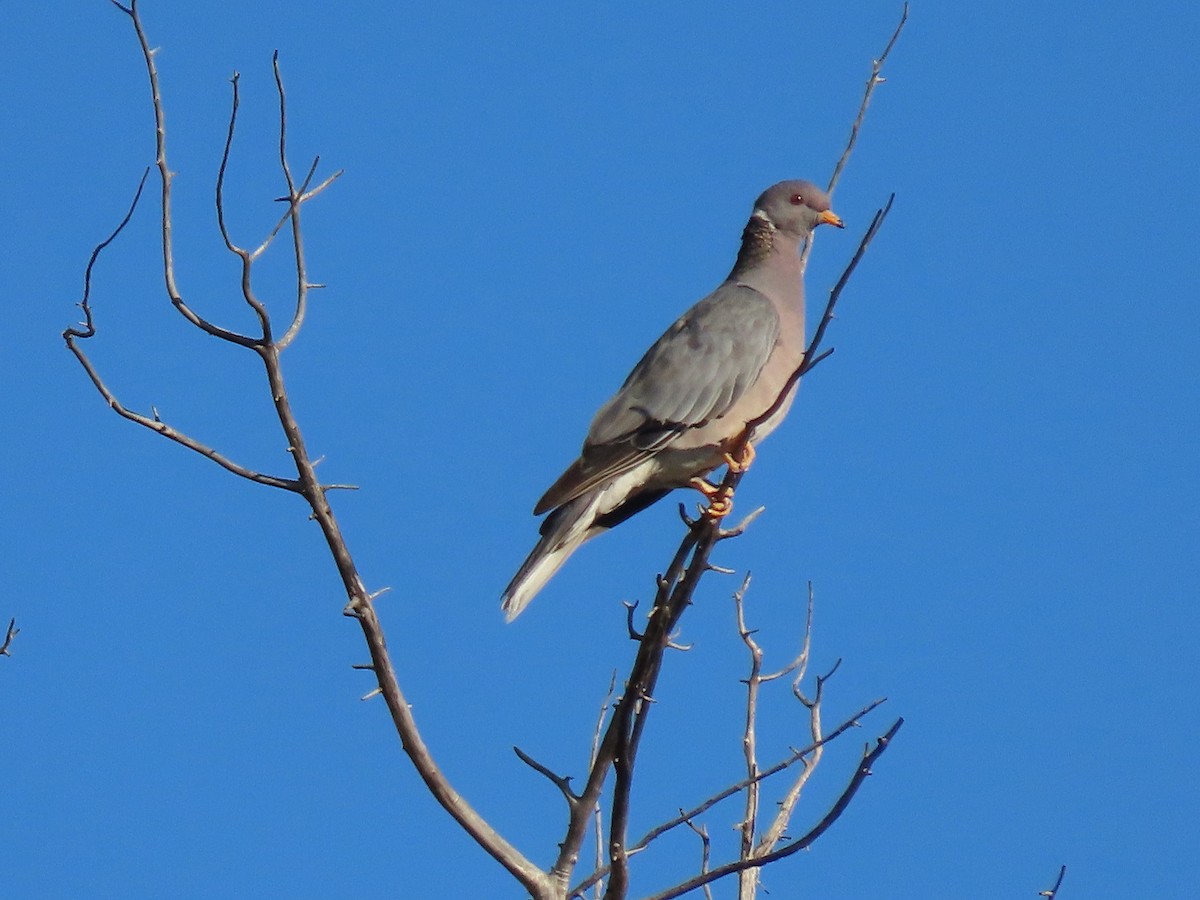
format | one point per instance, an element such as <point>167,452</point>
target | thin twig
<point>360,605</point>
<point>1053,892</point>
<point>811,358</point>
<point>748,879</point>
<point>247,259</point>
<point>873,81</point>
<point>12,632</point>
<point>296,197</point>
<point>562,782</point>
<point>835,812</point>
<point>675,589</point>
<point>87,329</point>
<point>705,853</point>
<point>800,664</point>
<point>784,764</point>
<point>166,176</point>
<point>598,810</point>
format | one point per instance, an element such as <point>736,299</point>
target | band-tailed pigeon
<point>682,409</point>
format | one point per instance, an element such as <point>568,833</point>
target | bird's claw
<point>719,507</point>
<point>741,461</point>
<point>720,500</point>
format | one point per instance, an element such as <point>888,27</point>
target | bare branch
<point>784,764</point>
<point>87,325</point>
<point>873,229</point>
<point>87,329</point>
<point>562,782</point>
<point>598,812</point>
<point>675,589</point>
<point>749,821</point>
<point>616,744</point>
<point>247,259</point>
<point>312,192</point>
<point>705,853</point>
<point>1053,892</point>
<point>165,177</point>
<point>748,879</point>
<point>835,812</point>
<point>873,81</point>
<point>360,604</point>
<point>810,359</point>
<point>12,632</point>
<point>800,664</point>
<point>295,199</point>
<point>741,526</point>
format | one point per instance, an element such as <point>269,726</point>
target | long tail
<point>563,532</point>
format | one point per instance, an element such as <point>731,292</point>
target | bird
<point>686,405</point>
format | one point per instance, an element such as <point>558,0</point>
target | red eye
<point>797,199</point>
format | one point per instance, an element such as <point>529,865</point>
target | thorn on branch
<point>741,527</point>
<point>671,645</point>
<point>821,679</point>
<point>634,634</point>
<point>562,782</point>
<point>683,514</point>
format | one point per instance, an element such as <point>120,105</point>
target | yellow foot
<point>720,501</point>
<point>740,462</point>
<point>720,506</point>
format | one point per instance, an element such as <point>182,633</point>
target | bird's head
<point>796,207</point>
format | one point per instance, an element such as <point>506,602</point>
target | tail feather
<point>563,532</point>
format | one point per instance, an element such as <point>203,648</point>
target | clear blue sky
<point>992,483</point>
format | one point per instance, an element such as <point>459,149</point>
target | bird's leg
<point>739,460</point>
<point>720,500</point>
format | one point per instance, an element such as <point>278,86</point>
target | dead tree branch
<point>873,81</point>
<point>748,879</point>
<point>834,813</point>
<point>786,763</point>
<point>12,632</point>
<point>618,742</point>
<point>675,590</point>
<point>268,349</point>
<point>1053,892</point>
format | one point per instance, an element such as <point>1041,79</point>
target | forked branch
<point>802,843</point>
<point>617,746</point>
<point>360,601</point>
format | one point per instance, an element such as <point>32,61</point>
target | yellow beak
<point>829,217</point>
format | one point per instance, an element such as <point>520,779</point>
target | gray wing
<point>693,374</point>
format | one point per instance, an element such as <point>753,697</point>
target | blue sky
<point>992,483</point>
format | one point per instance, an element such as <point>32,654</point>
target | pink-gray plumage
<point>722,365</point>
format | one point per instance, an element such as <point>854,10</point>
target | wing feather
<point>691,375</point>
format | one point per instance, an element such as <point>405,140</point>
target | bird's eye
<point>797,199</point>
